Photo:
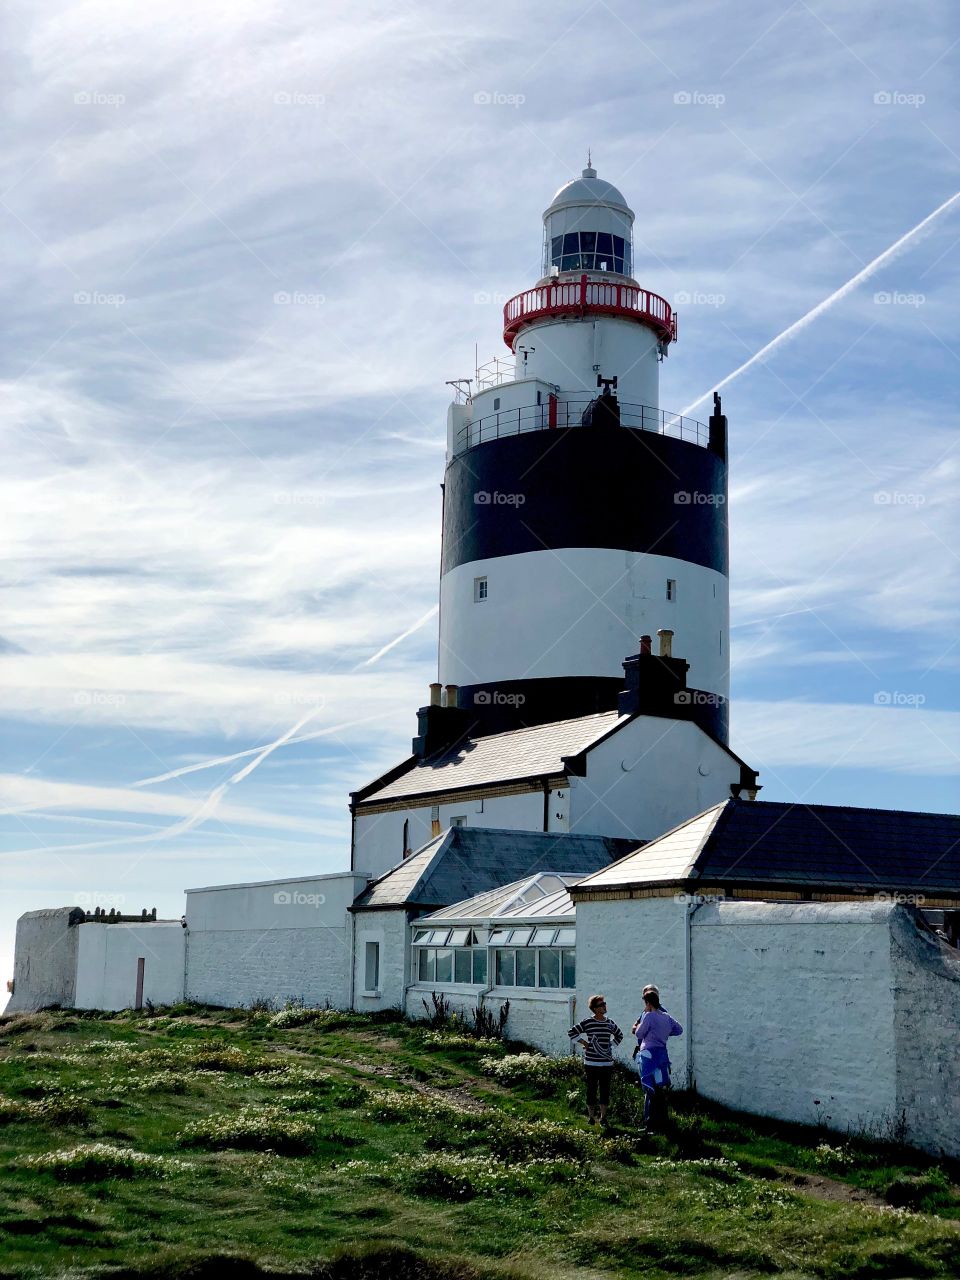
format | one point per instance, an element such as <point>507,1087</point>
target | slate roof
<point>466,861</point>
<point>800,846</point>
<point>530,752</point>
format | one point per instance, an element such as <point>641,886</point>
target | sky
<point>245,245</point>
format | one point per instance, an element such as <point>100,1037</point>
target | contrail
<point>823,306</point>
<point>252,751</point>
<point>409,632</point>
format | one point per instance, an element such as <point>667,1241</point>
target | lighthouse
<point>578,515</point>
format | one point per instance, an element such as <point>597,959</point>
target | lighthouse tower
<point>578,514</point>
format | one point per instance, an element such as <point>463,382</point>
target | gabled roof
<point>800,846</point>
<point>544,896</point>
<point>466,861</point>
<point>518,754</point>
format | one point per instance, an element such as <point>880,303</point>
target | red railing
<point>589,297</point>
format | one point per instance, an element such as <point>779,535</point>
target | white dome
<point>589,190</point>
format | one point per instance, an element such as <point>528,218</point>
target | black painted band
<point>586,487</point>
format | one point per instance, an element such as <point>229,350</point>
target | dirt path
<point>822,1188</point>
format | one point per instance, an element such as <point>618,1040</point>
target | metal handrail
<point>568,412</point>
<point>583,296</point>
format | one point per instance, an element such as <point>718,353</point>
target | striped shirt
<point>601,1034</point>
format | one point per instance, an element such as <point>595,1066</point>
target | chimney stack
<point>665,636</point>
<point>441,723</point>
<point>645,645</point>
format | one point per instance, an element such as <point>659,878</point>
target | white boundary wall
<point>273,941</point>
<point>107,962</point>
<point>844,1013</point>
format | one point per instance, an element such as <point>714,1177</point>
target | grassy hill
<point>337,1145</point>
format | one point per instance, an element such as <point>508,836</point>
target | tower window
<point>406,837</point>
<point>496,402</point>
<point>671,588</point>
<point>591,251</point>
<point>479,589</point>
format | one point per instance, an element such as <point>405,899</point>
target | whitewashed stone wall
<point>541,1019</point>
<point>45,960</point>
<point>842,1013</point>
<point>623,945</point>
<point>927,1005</point>
<point>275,941</point>
<point>389,929</point>
<point>107,956</point>
<point>793,1010</point>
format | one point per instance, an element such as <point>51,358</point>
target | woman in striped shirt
<point>598,1034</point>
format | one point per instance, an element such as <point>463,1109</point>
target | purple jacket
<point>655,1029</point>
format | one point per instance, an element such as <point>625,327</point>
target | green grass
<point>201,1142</point>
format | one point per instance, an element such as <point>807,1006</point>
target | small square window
<point>459,821</point>
<point>671,588</point>
<point>479,589</point>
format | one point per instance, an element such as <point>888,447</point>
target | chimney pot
<point>665,636</point>
<point>450,695</point>
<point>645,644</point>
<point>435,692</point>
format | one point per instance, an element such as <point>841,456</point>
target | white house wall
<point>107,963</point>
<point>649,777</point>
<point>378,837</point>
<point>388,929</point>
<point>275,941</point>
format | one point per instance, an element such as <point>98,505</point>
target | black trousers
<point>598,1084</point>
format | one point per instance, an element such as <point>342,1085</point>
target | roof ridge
<point>856,808</point>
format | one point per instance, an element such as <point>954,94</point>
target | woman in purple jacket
<point>653,1029</point>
